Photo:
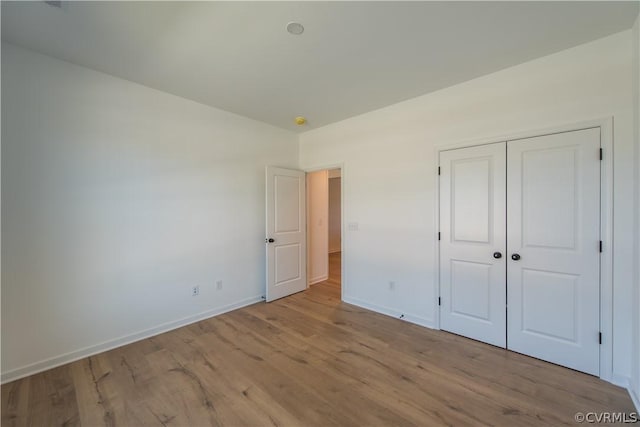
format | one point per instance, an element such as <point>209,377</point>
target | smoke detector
<point>295,28</point>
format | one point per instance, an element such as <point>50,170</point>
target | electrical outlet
<point>392,285</point>
<point>219,285</point>
<point>195,291</point>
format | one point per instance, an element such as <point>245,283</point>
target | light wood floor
<point>307,360</point>
<point>335,272</point>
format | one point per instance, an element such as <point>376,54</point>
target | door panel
<point>472,179</point>
<point>471,290</point>
<point>536,288</point>
<point>472,218</point>
<point>286,255</point>
<point>288,265</point>
<point>549,185</point>
<point>287,194</point>
<point>553,224</point>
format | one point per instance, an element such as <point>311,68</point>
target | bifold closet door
<point>553,236</point>
<point>472,258</point>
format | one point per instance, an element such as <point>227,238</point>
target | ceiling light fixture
<point>295,28</point>
<point>300,120</point>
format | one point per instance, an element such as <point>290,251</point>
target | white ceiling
<point>353,57</point>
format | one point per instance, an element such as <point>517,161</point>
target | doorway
<point>324,229</point>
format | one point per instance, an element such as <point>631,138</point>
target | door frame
<point>341,166</point>
<point>606,224</point>
<point>313,281</point>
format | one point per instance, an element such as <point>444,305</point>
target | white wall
<point>635,378</point>
<point>390,174</point>
<point>335,209</point>
<point>317,226</point>
<point>117,200</point>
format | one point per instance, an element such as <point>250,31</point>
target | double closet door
<point>520,246</point>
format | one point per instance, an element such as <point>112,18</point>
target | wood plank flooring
<point>307,360</point>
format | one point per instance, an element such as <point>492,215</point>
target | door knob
<point>497,255</point>
<point>269,240</point>
<point>515,257</point>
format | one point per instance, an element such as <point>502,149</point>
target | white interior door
<point>472,246</point>
<point>553,232</point>
<point>285,233</point>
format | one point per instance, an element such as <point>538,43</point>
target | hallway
<point>335,272</point>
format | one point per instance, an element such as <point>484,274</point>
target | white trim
<point>606,257</point>
<point>318,279</point>
<point>343,174</point>
<point>72,356</point>
<point>520,134</point>
<point>436,240</point>
<point>634,398</point>
<point>418,320</point>
<point>624,382</point>
<point>343,236</point>
<point>606,224</point>
<point>619,380</point>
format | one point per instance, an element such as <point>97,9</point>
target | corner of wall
<point>634,386</point>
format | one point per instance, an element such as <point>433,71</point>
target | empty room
<point>299,213</point>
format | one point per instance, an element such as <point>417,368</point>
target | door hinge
<point>600,246</point>
<point>601,154</point>
<point>438,235</point>
<point>439,301</point>
<point>438,170</point>
<point>599,337</point>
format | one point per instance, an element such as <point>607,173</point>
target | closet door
<point>472,258</point>
<point>553,235</point>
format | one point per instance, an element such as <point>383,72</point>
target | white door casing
<point>286,227</point>
<point>472,227</point>
<point>553,224</point>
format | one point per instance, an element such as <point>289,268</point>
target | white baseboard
<point>318,279</point>
<point>411,318</point>
<point>617,379</point>
<point>72,356</point>
<point>634,398</point>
